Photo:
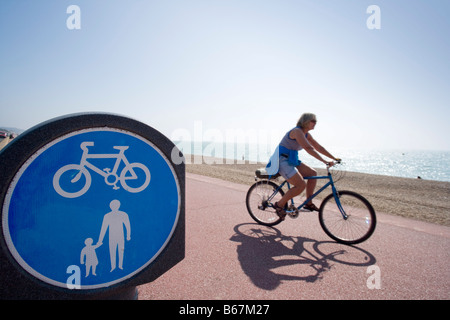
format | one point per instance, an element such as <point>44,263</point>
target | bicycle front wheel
<point>68,181</point>
<point>349,219</point>
<point>260,199</point>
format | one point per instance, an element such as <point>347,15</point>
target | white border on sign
<point>29,161</point>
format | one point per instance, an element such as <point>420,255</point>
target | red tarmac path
<point>228,256</point>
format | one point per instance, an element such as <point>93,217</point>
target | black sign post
<point>92,206</point>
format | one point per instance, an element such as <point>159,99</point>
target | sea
<point>429,165</point>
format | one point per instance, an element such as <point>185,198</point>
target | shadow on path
<point>264,253</point>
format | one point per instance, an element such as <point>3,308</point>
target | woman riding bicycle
<point>285,161</point>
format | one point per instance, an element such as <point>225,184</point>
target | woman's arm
<point>319,148</point>
<point>298,135</point>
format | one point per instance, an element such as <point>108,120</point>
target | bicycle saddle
<point>121,147</point>
<point>262,174</point>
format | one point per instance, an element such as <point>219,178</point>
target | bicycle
<point>111,177</point>
<point>345,216</point>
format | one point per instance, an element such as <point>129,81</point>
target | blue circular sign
<point>101,201</point>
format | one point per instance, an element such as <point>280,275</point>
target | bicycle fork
<point>337,198</point>
<point>106,172</point>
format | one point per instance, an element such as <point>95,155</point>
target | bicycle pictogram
<point>70,174</point>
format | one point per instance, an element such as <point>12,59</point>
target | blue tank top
<point>287,148</point>
<point>289,143</point>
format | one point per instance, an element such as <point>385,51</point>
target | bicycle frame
<point>119,156</point>
<point>329,183</point>
<point>105,172</point>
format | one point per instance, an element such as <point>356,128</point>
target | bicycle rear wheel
<point>359,221</point>
<point>259,206</point>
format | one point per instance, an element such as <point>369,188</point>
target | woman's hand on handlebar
<point>329,164</point>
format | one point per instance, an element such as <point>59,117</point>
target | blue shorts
<point>286,170</point>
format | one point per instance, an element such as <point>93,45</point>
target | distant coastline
<point>12,130</point>
<point>428,165</point>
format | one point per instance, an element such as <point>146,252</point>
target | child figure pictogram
<point>88,252</point>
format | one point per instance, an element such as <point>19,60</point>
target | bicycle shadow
<point>263,253</point>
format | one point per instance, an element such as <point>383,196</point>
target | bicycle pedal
<point>293,214</point>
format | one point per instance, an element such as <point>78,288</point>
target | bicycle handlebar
<point>86,144</point>
<point>338,161</point>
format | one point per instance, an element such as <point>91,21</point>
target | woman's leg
<point>307,171</point>
<point>298,184</point>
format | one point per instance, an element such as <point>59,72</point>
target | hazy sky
<point>254,66</point>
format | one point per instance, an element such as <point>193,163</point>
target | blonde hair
<point>305,118</point>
